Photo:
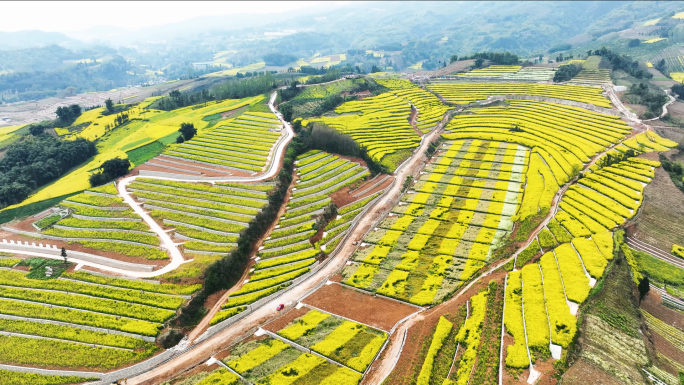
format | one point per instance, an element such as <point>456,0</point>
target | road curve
<point>205,349</point>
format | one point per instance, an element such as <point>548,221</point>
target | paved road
<point>222,339</point>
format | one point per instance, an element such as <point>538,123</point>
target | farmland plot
<point>443,231</point>
<point>464,93</point>
<point>241,144</point>
<point>379,124</point>
<point>77,324</point>
<point>288,253</point>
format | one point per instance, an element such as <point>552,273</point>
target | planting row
<point>442,232</point>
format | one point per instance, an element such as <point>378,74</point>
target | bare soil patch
<point>285,319</point>
<point>205,169</point>
<point>345,195</point>
<point>231,113</point>
<point>659,219</point>
<point>378,312</point>
<point>584,373</point>
<point>663,313</point>
<point>420,335</point>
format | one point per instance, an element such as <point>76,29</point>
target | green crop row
<point>357,205</point>
<point>18,279</point>
<point>91,224</point>
<point>205,187</point>
<point>252,297</point>
<point>47,221</point>
<point>204,235</point>
<point>278,233</point>
<point>198,211</point>
<point>22,309</point>
<point>169,200</point>
<point>101,305</point>
<point>198,221</point>
<point>9,262</point>
<point>123,236</point>
<point>108,188</point>
<point>264,187</point>
<point>58,354</point>
<point>93,212</point>
<point>203,246</point>
<point>95,200</point>
<point>263,274</point>
<point>284,251</point>
<point>348,178</point>
<point>263,284</point>
<point>71,334</point>
<point>166,288</point>
<point>292,213</point>
<point>288,241</point>
<point>198,195</point>
<point>318,198</point>
<point>126,249</point>
<point>19,378</point>
<point>225,314</point>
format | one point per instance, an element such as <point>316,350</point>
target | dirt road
<point>222,339</point>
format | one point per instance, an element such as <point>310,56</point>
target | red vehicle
<point>280,307</point>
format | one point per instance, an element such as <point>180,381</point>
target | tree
<point>110,106</point>
<point>64,255</point>
<point>478,62</point>
<point>453,58</point>
<point>36,129</point>
<point>180,139</point>
<point>188,130</point>
<point>633,43</point>
<point>678,89</point>
<point>116,167</point>
<point>644,287</point>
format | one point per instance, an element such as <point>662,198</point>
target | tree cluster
<point>678,89</point>
<point>566,72</point>
<point>110,170</point>
<point>67,115</point>
<point>500,58</point>
<point>231,89</point>
<point>652,100</point>
<point>36,161</point>
<point>187,131</point>
<point>623,62</point>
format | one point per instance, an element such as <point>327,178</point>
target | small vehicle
<point>280,307</point>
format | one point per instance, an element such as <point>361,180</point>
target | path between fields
<point>394,349</point>
<point>207,348</point>
<point>167,243</point>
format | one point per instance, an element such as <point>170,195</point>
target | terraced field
<point>288,253</point>
<point>509,72</point>
<point>242,144</point>
<point>593,76</point>
<point>81,321</point>
<point>100,220</point>
<point>207,218</point>
<point>379,124</point>
<point>465,93</point>
<point>430,109</point>
<point>443,231</point>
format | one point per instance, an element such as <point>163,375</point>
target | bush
<point>171,339</point>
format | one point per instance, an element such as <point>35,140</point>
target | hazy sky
<point>78,15</point>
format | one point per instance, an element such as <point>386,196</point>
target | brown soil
<point>413,120</point>
<point>637,108</point>
<point>285,319</point>
<point>422,331</point>
<point>379,312</point>
<point>206,169</point>
<point>196,370</point>
<point>25,225</point>
<point>583,373</point>
<point>658,222</point>
<point>361,95</point>
<point>213,299</point>
<point>231,113</point>
<point>663,313</point>
<point>345,195</point>
<point>77,247</point>
<point>666,348</point>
